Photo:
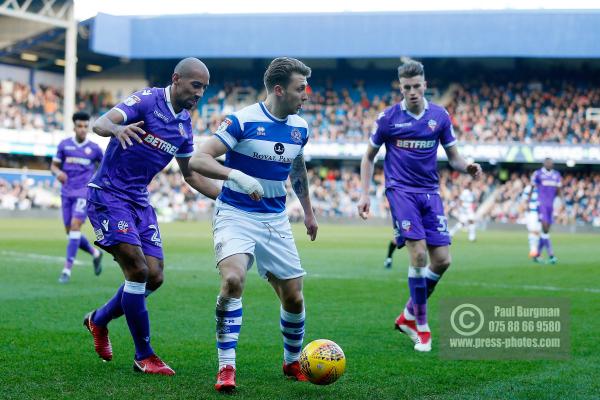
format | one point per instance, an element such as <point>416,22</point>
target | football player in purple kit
<point>547,181</point>
<point>411,132</point>
<point>74,164</point>
<point>147,130</point>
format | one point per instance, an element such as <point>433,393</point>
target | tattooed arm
<point>299,180</point>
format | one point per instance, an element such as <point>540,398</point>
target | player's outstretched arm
<point>299,180</point>
<point>458,163</point>
<point>109,125</point>
<point>367,164</point>
<point>203,162</point>
<point>201,183</point>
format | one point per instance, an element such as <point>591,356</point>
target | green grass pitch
<point>45,353</point>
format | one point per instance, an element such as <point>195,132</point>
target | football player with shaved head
<point>147,130</point>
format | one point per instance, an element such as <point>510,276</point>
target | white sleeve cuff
<point>374,144</point>
<point>452,143</point>
<point>226,138</point>
<point>122,113</point>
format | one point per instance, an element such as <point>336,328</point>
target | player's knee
<point>442,265</point>
<point>75,225</point>
<point>420,258</point>
<point>139,271</point>
<point>135,267</point>
<point>155,281</point>
<point>232,283</point>
<point>293,301</point>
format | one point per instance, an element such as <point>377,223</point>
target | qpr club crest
<point>432,124</point>
<point>296,136</point>
<point>279,149</point>
<point>181,130</point>
<point>219,250</point>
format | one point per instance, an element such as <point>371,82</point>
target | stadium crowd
<point>518,111</point>
<point>521,111</point>
<point>335,193</point>
<point>23,107</point>
<point>525,112</point>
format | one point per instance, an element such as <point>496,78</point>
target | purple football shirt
<point>411,144</point>
<point>78,162</point>
<point>547,183</point>
<point>127,173</point>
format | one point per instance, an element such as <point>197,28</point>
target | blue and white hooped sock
<point>228,315</point>
<point>292,328</point>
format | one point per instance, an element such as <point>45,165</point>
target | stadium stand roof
<point>48,44</point>
<point>507,33</point>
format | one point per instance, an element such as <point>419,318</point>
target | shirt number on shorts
<point>155,236</point>
<point>80,205</point>
<point>443,221</point>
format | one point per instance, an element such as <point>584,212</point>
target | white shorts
<point>533,222</point>
<point>265,237</point>
<point>466,215</point>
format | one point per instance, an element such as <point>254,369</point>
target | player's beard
<point>195,101</point>
<point>188,104</point>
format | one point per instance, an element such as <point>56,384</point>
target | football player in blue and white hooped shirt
<point>534,226</point>
<point>264,145</point>
<point>147,130</point>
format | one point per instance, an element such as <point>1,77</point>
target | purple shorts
<point>545,212</point>
<point>116,221</point>
<point>419,216</point>
<point>73,207</point>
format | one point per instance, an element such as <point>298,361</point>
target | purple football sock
<point>111,310</point>
<point>431,280</point>
<point>86,246</point>
<point>417,286</point>
<point>541,245</point>
<point>72,247</point>
<point>134,306</point>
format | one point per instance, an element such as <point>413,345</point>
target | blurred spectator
<point>520,111</point>
<point>525,112</point>
<point>335,193</point>
<point>581,193</point>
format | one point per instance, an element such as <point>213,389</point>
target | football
<point>322,362</point>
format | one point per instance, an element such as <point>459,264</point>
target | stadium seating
<point>335,193</point>
<point>521,111</point>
